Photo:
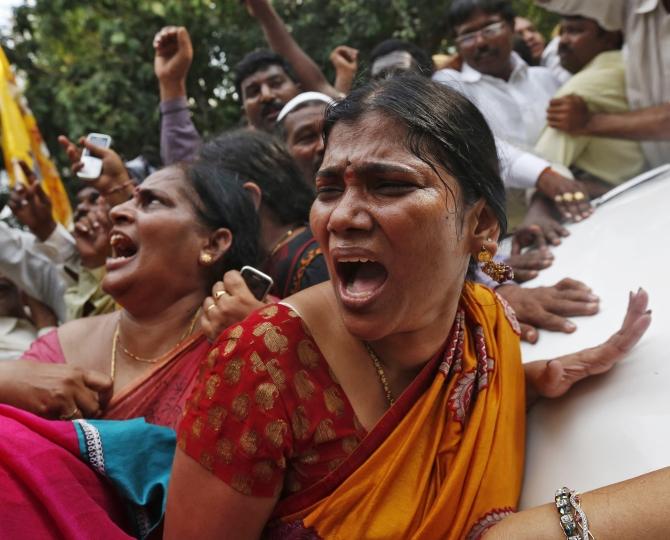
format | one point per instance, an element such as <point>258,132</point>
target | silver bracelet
<point>573,519</point>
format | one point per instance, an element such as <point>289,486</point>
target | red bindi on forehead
<point>349,173</point>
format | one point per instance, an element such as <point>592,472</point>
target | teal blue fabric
<point>137,460</point>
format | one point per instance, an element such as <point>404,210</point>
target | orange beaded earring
<point>497,271</point>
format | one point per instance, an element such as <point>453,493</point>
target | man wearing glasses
<point>512,95</point>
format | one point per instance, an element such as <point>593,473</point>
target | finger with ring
<point>579,195</point>
<point>70,416</point>
<point>558,198</point>
<point>568,197</point>
<point>219,294</point>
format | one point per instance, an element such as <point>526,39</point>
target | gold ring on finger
<point>568,197</point>
<point>579,195</point>
<point>558,198</point>
<point>219,294</point>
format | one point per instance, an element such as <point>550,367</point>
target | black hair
<point>423,60</point>
<point>258,157</point>
<point>258,60</point>
<point>221,202</point>
<point>520,47</point>
<point>444,129</point>
<point>618,44</point>
<point>461,10</point>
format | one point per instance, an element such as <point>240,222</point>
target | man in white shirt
<point>512,96</point>
<point>646,28</point>
<point>17,332</point>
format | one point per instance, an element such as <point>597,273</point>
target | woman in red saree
<point>184,227</point>
<point>390,402</point>
<point>98,478</point>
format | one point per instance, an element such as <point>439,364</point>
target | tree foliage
<point>89,64</point>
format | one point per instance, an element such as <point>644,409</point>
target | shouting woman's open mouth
<point>360,279</point>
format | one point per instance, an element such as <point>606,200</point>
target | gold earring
<point>497,271</point>
<point>206,259</point>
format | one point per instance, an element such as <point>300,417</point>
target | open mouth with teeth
<point>122,246</point>
<point>361,277</point>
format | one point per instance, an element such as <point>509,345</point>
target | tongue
<point>367,278</point>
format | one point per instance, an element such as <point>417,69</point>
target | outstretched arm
<point>345,62</point>
<point>281,41</point>
<point>571,114</point>
<point>180,139</point>
<point>636,508</point>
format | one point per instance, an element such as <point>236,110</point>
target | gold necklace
<point>380,372</point>
<point>116,340</point>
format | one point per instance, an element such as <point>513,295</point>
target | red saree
<point>445,461</point>
<point>159,396</point>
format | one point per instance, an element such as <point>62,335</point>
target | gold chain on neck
<point>380,372</point>
<point>116,340</point>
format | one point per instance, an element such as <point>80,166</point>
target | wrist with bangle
<point>572,517</point>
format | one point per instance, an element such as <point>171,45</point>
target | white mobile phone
<point>259,283</point>
<point>93,165</point>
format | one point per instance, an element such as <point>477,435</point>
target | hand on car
<point>114,181</point>
<point>547,307</point>
<point>540,214</point>
<point>570,196</point>
<point>231,302</point>
<point>54,390</point>
<point>569,113</point>
<point>555,377</point>
<point>31,206</point>
<point>527,265</point>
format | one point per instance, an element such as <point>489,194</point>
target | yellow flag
<point>21,140</point>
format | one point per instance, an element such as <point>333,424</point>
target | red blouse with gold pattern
<point>267,414</point>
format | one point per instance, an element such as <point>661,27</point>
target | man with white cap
<point>300,125</point>
<point>646,28</point>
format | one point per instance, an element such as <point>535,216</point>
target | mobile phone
<point>259,283</point>
<point>93,165</point>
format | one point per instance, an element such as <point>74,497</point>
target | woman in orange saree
<point>464,414</point>
<point>390,402</point>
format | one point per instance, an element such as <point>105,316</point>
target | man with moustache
<point>594,56</point>
<point>264,82</point>
<point>512,96</point>
<point>646,29</point>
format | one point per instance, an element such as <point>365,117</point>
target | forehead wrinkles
<point>373,136</point>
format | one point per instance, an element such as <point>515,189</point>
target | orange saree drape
<point>446,461</point>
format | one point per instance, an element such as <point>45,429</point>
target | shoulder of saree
<point>185,358</point>
<point>446,460</point>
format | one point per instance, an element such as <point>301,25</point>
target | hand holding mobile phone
<point>92,168</point>
<point>259,283</point>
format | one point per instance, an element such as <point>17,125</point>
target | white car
<point>617,425</point>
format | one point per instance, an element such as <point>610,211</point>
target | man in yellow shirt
<point>594,56</point>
